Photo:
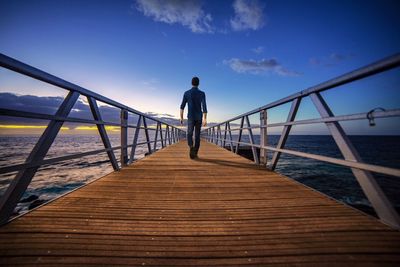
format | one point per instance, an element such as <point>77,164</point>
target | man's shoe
<point>192,153</point>
<point>196,151</point>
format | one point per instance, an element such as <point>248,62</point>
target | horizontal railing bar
<point>21,166</point>
<point>236,142</point>
<point>25,69</point>
<point>144,143</point>
<point>351,164</point>
<point>342,162</point>
<point>243,128</point>
<point>357,116</point>
<point>374,68</point>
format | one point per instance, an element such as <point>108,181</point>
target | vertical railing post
<point>230,135</point>
<point>146,132</point>
<point>216,135</point>
<point>168,135</point>
<point>219,138</point>
<point>285,132</point>
<point>135,139</point>
<point>173,135</point>
<point>124,137</point>
<point>368,184</point>
<point>220,134</point>
<point>240,135</point>
<point>155,137</point>
<point>225,131</point>
<point>251,138</point>
<point>263,137</point>
<point>161,136</point>
<point>103,133</point>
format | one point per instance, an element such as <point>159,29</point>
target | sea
<point>52,181</point>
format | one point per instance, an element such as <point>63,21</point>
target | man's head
<point>195,81</point>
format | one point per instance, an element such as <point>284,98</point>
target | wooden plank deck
<point>218,210</point>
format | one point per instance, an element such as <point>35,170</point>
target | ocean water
<point>51,181</point>
<point>338,182</point>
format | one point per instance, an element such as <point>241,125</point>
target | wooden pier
<point>220,209</point>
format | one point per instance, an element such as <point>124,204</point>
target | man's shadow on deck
<point>229,163</point>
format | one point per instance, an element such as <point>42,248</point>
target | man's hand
<point>204,122</point>
<point>181,116</point>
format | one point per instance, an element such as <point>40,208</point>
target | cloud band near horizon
<point>50,104</point>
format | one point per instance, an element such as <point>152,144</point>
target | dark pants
<point>196,126</point>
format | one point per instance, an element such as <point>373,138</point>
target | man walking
<point>197,114</point>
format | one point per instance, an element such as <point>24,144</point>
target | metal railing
<point>352,159</point>
<point>169,134</point>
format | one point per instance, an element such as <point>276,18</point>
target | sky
<point>247,54</point>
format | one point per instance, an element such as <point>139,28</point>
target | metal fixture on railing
<point>27,170</point>
<point>361,171</point>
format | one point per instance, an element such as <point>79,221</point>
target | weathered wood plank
<point>219,210</point>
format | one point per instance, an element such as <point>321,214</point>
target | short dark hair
<point>195,81</point>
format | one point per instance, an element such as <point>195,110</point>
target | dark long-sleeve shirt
<point>196,101</point>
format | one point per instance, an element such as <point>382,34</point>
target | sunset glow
<point>92,128</point>
<point>28,127</point>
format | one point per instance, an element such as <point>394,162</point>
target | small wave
<point>90,164</point>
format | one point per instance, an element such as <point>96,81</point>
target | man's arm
<point>184,100</point>
<point>205,119</point>
<point>181,116</point>
<point>204,104</point>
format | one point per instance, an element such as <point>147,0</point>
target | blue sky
<point>246,53</point>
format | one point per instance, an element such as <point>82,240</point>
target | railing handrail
<point>371,69</point>
<point>362,171</point>
<point>25,69</point>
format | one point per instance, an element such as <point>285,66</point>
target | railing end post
<point>124,138</point>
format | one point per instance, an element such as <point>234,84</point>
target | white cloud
<point>331,60</point>
<point>248,15</point>
<point>188,13</point>
<point>259,67</point>
<point>258,50</point>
